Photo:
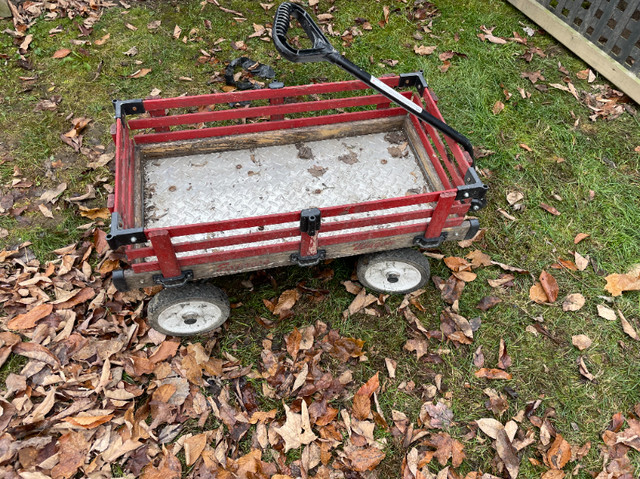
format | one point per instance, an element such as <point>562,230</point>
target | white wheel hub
<point>191,317</point>
<point>392,276</point>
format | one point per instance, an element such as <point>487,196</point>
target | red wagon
<point>230,182</point>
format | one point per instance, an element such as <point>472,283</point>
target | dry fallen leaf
<point>581,261</point>
<point>391,367</point>
<point>549,285</point>
<point>492,374</point>
<point>559,453</point>
<point>29,320</point>
<point>488,35</point>
<point>490,426</point>
<point>573,302</point>
<point>364,459</point>
<point>296,430</point>
<point>579,237</point>
<point>88,422</point>
<point>478,357</point>
<point>581,341</point>
<point>488,302</point>
<point>537,294</point>
<point>45,211</point>
<point>424,50</point>
<point>102,40</point>
<point>549,209</point>
<point>420,346</point>
<point>507,453</point>
<point>582,368</point>
<point>514,197</point>
<point>93,213</point>
<point>193,448</point>
<point>504,360</point>
<point>446,447</point>
<point>497,107</point>
<point>437,416</point>
<point>619,283</point>
<point>50,196</point>
<point>606,313</point>
<point>628,328</point>
<point>286,301</point>
<point>362,398</point>
<point>63,52</point>
<point>140,73</point>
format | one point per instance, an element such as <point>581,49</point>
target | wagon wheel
<point>188,310</point>
<point>399,271</point>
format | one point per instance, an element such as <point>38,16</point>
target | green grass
<point>467,92</point>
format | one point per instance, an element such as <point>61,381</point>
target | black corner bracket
<point>175,281</point>
<point>310,221</point>
<point>123,236</point>
<point>415,79</point>
<point>309,260</point>
<point>128,107</point>
<point>473,189</point>
<point>119,280</point>
<point>474,226</point>
<point>429,243</point>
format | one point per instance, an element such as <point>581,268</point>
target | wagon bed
<point>223,190</point>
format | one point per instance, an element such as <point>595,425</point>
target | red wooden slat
<point>308,245</point>
<point>379,204</point>
<point>222,256</point>
<point>374,234</point>
<point>119,167</point>
<point>233,224</point>
<point>157,113</point>
<point>129,193</point>
<point>461,156</point>
<point>255,112</point>
<point>442,150</point>
<point>440,214</point>
<point>433,155</point>
<point>163,250</point>
<point>220,242</point>
<point>250,95</point>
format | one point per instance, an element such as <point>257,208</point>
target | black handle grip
<point>321,46</point>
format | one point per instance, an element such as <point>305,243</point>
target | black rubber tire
<point>204,292</point>
<point>409,256</point>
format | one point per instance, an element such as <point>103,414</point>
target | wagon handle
<point>323,51</point>
<point>321,46</point>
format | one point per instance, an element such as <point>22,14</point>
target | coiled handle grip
<point>321,46</point>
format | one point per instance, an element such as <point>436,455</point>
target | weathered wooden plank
<point>423,157</point>
<point>617,74</point>
<point>269,138</point>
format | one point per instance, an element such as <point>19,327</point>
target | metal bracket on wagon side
<point>415,79</point>
<point>310,221</point>
<point>121,237</point>
<point>309,260</point>
<point>473,189</point>
<point>119,281</point>
<point>175,281</point>
<point>429,243</point>
<point>128,107</point>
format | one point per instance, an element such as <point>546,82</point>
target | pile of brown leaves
<point>98,388</point>
<point>25,14</point>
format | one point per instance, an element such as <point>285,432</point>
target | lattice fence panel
<point>612,25</point>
